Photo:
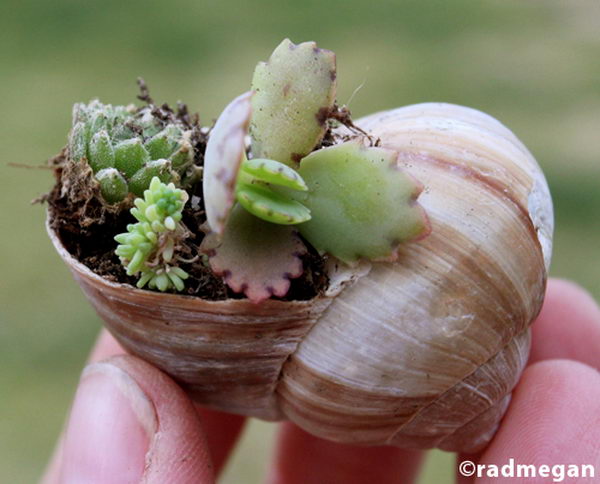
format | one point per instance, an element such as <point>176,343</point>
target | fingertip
<point>568,326</point>
<point>554,417</point>
<point>222,432</point>
<point>130,422</point>
<point>566,290</point>
<point>304,458</point>
<point>105,347</point>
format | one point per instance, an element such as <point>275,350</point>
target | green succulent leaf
<point>142,178</point>
<point>113,186</point>
<point>130,156</point>
<point>275,173</point>
<point>80,113</point>
<point>78,141</point>
<point>101,151</point>
<point>224,154</point>
<point>362,204</point>
<point>183,157</point>
<point>295,92</point>
<point>163,144</point>
<point>255,257</point>
<point>271,206</point>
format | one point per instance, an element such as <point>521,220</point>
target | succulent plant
<point>148,247</point>
<point>351,200</point>
<point>127,146</point>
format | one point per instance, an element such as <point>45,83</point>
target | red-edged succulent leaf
<point>362,204</point>
<point>225,151</point>
<point>255,257</point>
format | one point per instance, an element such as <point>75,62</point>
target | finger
<point>568,326</point>
<point>105,347</point>
<point>222,430</point>
<point>130,422</point>
<point>222,433</point>
<point>554,418</point>
<point>303,458</point>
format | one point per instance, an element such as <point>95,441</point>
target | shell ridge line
<point>500,401</point>
<point>272,394</point>
<point>345,281</point>
<point>450,389</point>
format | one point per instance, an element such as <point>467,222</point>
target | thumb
<point>131,423</point>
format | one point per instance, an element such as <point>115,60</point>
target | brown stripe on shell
<point>328,409</point>
<point>494,185</point>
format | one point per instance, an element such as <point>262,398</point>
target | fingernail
<point>110,429</point>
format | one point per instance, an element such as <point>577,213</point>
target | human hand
<point>130,422</point>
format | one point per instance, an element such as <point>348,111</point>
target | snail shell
<point>423,352</point>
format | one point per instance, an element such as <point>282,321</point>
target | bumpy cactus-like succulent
<point>126,147</point>
<point>148,247</point>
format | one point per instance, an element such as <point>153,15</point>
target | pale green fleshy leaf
<point>275,173</point>
<point>130,156</point>
<point>362,204</point>
<point>101,152</point>
<point>268,205</point>
<point>295,92</point>
<point>163,144</point>
<point>78,142</point>
<point>141,179</point>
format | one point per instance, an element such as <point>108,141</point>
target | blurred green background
<point>533,65</point>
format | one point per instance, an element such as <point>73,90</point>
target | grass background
<point>533,65</point>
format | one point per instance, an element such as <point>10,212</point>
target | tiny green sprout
<point>148,247</point>
<point>132,143</point>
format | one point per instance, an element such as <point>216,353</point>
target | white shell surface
<point>395,346</point>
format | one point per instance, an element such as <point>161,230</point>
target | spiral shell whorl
<point>425,352</point>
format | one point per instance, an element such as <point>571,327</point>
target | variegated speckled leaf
<point>295,92</point>
<point>271,206</point>
<point>225,151</point>
<point>274,172</point>
<point>255,257</point>
<point>362,204</point>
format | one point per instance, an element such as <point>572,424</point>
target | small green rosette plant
<point>126,147</point>
<point>148,247</point>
